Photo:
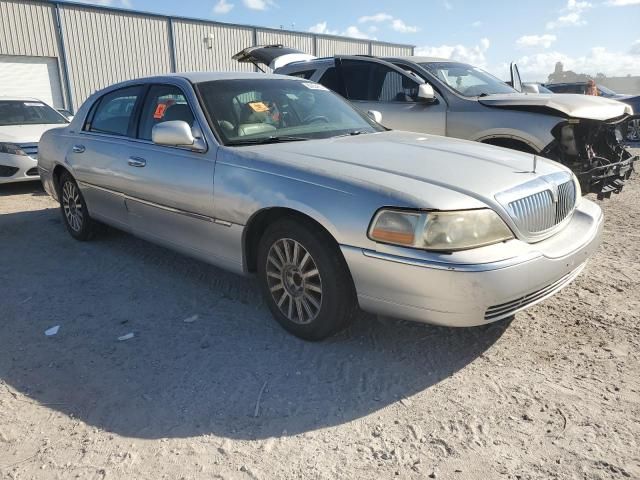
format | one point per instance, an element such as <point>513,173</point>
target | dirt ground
<point>230,395</point>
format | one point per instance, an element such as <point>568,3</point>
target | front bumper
<point>464,295</point>
<point>18,168</point>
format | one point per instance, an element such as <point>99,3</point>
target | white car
<point>22,122</point>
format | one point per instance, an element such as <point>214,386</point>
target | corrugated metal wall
<point>298,40</point>
<point>104,47</point>
<point>385,50</point>
<point>99,46</point>
<point>327,46</point>
<point>27,28</point>
<point>192,44</point>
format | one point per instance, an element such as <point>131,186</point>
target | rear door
<point>98,153</point>
<point>378,85</point>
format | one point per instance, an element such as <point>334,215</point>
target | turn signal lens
<point>395,226</point>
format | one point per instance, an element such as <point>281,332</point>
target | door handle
<point>137,162</point>
<point>78,148</point>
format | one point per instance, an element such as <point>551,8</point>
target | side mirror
<point>426,92</point>
<point>174,133</point>
<point>375,115</point>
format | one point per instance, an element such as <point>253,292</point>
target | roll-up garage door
<point>35,77</point>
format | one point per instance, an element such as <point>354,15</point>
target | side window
<point>307,74</point>
<point>114,112</point>
<point>330,80</point>
<point>387,85</point>
<point>356,75</point>
<point>163,103</point>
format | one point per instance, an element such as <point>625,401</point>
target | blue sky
<point>589,36</point>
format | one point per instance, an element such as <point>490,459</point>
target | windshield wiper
<point>353,133</point>
<point>266,140</point>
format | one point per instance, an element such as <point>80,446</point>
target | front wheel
<point>74,209</point>
<point>304,280</point>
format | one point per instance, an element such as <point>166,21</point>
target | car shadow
<point>231,370</point>
<point>33,187</point>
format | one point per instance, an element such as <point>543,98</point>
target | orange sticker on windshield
<point>159,113</point>
<point>259,106</point>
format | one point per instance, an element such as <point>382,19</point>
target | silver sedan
<point>279,177</point>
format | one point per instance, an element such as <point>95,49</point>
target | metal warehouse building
<point>62,52</point>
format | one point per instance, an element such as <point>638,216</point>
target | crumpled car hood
<point>571,105</point>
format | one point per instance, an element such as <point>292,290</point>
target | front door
<point>169,190</point>
<point>372,84</point>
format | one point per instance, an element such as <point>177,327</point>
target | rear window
<point>307,74</point>
<point>113,113</point>
<point>31,112</point>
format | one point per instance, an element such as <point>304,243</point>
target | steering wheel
<point>316,118</point>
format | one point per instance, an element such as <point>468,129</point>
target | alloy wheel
<point>294,281</point>
<point>72,206</point>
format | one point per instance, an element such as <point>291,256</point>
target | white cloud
<point>536,40</point>
<point>223,7</point>
<point>353,31</point>
<point>623,3</point>
<point>258,4</point>
<point>572,15</point>
<point>448,5</point>
<point>321,27</point>
<point>635,48</point>
<point>395,23</point>
<point>474,55</point>
<point>598,60</point>
<point>377,18</point>
<point>476,24</point>
<point>399,26</point>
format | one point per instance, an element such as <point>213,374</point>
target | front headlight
<point>11,149</point>
<point>440,231</point>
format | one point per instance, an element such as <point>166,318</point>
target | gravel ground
<point>228,394</point>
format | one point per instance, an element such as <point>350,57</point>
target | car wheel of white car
<point>74,209</point>
<point>305,280</point>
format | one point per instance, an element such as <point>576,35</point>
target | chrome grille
<point>540,212</point>
<point>30,149</point>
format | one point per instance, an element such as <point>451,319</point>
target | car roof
<point>199,77</point>
<point>19,99</point>
<point>421,59</point>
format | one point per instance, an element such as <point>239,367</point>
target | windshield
<point>467,80</point>
<point>31,112</point>
<point>250,111</point>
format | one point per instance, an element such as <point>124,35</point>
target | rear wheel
<point>74,209</point>
<point>304,280</point>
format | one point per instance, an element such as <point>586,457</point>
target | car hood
<point>25,133</point>
<point>428,171</point>
<point>571,105</point>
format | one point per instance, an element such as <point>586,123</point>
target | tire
<point>74,209</point>
<point>310,305</point>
